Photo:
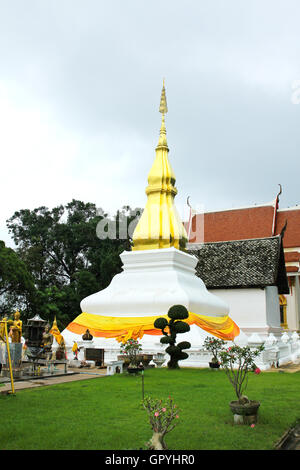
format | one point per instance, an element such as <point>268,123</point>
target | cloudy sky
<point>80,85</point>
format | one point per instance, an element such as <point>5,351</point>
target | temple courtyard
<point>57,413</point>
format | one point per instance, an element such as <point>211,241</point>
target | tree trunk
<point>157,442</point>
<point>173,363</point>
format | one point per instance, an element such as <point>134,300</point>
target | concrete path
<point>290,367</point>
<point>77,374</point>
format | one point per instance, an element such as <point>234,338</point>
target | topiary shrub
<point>175,325</point>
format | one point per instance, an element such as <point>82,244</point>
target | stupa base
<point>151,282</point>
<point>198,357</point>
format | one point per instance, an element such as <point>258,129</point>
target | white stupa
<point>157,274</point>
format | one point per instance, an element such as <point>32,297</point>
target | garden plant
<point>131,348</point>
<point>170,329</point>
<point>162,417</point>
<point>237,362</point>
<point>214,345</point>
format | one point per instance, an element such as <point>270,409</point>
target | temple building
<point>249,275</point>
<point>255,225</point>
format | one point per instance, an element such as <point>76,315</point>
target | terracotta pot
<point>134,370</point>
<point>214,365</point>
<point>245,414</point>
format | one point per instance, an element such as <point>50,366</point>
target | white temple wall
<point>247,306</point>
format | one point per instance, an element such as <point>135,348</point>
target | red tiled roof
<point>235,224</point>
<point>291,269</point>
<point>292,234</point>
<point>292,256</point>
<point>246,223</point>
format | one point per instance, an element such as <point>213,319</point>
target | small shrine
<point>23,359</point>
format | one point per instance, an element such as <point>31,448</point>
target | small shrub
<point>215,346</point>
<point>131,349</point>
<point>162,416</point>
<point>237,362</point>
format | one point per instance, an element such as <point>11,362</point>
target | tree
<point>64,255</point>
<point>215,346</point>
<point>237,362</point>
<point>16,283</point>
<point>175,325</point>
<point>162,416</point>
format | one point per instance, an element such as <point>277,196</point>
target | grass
<point>106,413</point>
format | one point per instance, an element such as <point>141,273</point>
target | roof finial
<point>163,108</point>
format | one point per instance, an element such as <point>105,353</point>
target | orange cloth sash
<point>124,328</point>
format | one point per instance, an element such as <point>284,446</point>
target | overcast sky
<point>80,84</point>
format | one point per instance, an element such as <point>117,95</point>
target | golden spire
<point>160,225</point>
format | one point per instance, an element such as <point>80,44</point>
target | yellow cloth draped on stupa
<point>124,328</point>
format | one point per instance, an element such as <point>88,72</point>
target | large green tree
<point>17,289</point>
<point>67,259</point>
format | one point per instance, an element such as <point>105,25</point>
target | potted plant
<point>237,362</point>
<point>214,345</point>
<point>170,329</point>
<point>162,417</point>
<point>131,349</point>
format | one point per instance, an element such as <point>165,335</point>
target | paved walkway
<point>290,367</point>
<point>75,375</point>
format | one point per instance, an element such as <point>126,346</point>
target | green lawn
<point>106,413</point>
